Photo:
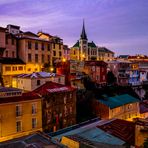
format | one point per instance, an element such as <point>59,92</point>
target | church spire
<point>83,34</point>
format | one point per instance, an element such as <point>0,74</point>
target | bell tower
<point>83,42</point>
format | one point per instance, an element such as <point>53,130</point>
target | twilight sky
<point>120,25</point>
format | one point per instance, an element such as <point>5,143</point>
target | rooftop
<point>118,100</point>
<point>23,97</point>
<point>95,63</point>
<point>104,49</point>
<point>36,75</point>
<point>36,140</point>
<point>11,61</point>
<point>52,87</point>
<point>91,133</point>
<point>122,129</point>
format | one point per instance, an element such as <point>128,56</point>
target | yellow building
<point>20,115</point>
<point>56,46</point>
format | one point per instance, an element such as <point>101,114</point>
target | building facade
<point>97,70</point>
<point>29,82</point>
<point>84,50</point>
<point>20,114</point>
<point>123,107</point>
<point>59,105</point>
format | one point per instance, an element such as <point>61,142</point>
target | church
<point>85,50</point>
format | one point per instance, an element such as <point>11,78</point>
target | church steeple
<point>83,34</point>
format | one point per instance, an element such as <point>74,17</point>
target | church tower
<point>83,43</point>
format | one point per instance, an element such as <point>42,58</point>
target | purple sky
<point>120,25</point>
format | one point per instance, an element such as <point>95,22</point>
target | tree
<point>145,144</point>
<point>111,79</point>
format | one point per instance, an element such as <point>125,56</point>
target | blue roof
<point>92,133</point>
<point>119,100</point>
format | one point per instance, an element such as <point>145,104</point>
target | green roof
<point>76,44</point>
<point>116,101</point>
<point>91,44</point>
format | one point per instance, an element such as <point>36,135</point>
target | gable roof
<point>104,49</point>
<point>92,44</point>
<point>117,101</point>
<point>76,44</point>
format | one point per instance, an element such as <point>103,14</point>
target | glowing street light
<point>51,69</point>
<point>63,60</point>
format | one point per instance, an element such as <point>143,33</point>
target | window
<point>42,58</point>
<point>36,58</point>
<point>34,108</point>
<point>54,46</point>
<point>34,122</point>
<point>60,53</point>
<point>59,80</point>
<point>7,68</point>
<point>13,54</point>
<point>12,41</point>
<point>42,46</point>
<point>18,126</point>
<point>6,40</point>
<point>36,45</point>
<point>14,68</point>
<point>48,47</point>
<point>74,52</point>
<point>18,110</point>
<point>54,53</point>
<point>20,68</point>
<point>29,57</point>
<point>29,45</point>
<point>38,82</point>
<point>6,53</point>
<point>59,46</point>
<point>103,77</point>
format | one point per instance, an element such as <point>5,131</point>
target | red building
<point>59,105</point>
<point>97,70</point>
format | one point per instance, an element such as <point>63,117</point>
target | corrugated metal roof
<point>119,100</point>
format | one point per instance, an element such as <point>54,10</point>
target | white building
<point>29,82</point>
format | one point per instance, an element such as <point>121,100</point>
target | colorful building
<point>59,105</point>
<point>120,106</point>
<point>97,70</point>
<point>29,82</point>
<point>20,114</point>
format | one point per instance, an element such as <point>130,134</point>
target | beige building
<point>29,82</point>
<point>20,114</point>
<point>84,50</point>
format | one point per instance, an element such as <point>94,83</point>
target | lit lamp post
<point>63,60</point>
<point>51,69</point>
<point>83,57</point>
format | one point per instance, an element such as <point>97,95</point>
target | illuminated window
<point>20,68</point>
<point>18,110</point>
<point>34,108</point>
<point>34,122</point>
<point>7,68</point>
<point>18,126</point>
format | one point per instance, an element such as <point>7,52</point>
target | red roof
<point>23,97</point>
<point>95,63</point>
<point>52,87</point>
<point>122,129</point>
